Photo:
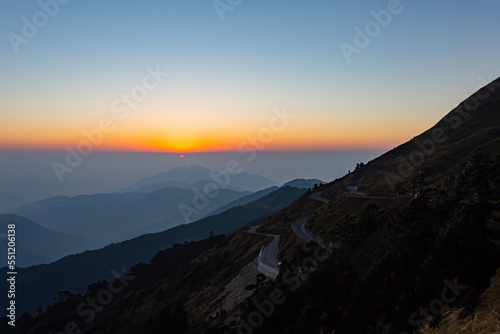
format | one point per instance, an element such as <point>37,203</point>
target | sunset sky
<point>227,78</point>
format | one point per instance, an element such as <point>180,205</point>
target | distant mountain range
<point>244,200</point>
<point>297,183</point>
<point>15,192</point>
<point>41,283</point>
<point>148,206</point>
<point>197,176</point>
<point>36,244</point>
<point>106,218</point>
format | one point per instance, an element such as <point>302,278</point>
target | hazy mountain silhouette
<point>244,200</point>
<point>36,244</point>
<point>9,202</point>
<point>197,176</point>
<point>22,190</point>
<point>156,186</point>
<point>107,217</point>
<point>297,183</point>
<point>18,191</point>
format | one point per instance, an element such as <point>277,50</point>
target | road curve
<point>299,229</point>
<point>270,251</point>
<point>299,226</point>
<point>317,196</point>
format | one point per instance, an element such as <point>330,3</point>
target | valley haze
<point>27,176</point>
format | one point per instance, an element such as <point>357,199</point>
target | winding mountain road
<point>270,251</point>
<point>317,196</point>
<point>299,228</point>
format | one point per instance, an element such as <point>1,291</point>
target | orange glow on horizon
<point>189,132</point>
<point>184,140</point>
<point>186,144</point>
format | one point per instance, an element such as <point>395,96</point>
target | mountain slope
<point>472,125</point>
<point>392,256</point>
<point>36,244</point>
<point>245,199</point>
<point>41,283</point>
<point>303,183</point>
<point>163,266</point>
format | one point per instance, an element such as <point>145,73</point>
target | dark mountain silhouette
<point>107,217</point>
<point>197,176</point>
<point>244,200</point>
<point>149,187</point>
<point>18,191</point>
<point>183,174</point>
<point>36,244</point>
<point>41,283</point>
<point>304,183</point>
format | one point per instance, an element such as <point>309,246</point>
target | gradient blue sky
<point>227,76</point>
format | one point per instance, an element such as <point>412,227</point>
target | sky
<point>187,76</point>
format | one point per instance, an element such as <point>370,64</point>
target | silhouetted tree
<point>64,295</point>
<point>359,165</point>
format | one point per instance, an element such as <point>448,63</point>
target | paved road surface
<point>317,196</point>
<point>367,196</point>
<point>270,251</point>
<point>299,229</point>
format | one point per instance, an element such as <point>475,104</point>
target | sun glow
<point>180,144</point>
